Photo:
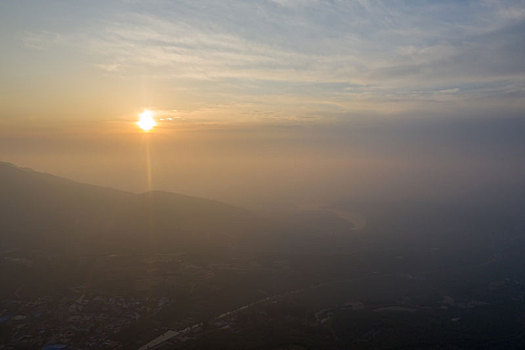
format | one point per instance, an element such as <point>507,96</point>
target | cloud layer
<point>329,55</point>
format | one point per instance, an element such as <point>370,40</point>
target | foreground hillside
<point>96,268</point>
<point>40,210</point>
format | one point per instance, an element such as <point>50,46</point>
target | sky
<point>271,101</point>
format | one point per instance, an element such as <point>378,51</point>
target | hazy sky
<point>302,99</point>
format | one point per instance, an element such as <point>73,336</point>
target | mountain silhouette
<point>41,211</point>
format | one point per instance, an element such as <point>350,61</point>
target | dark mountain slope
<point>39,209</point>
<point>44,211</point>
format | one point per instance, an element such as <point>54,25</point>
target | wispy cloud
<point>43,40</point>
<point>348,52</point>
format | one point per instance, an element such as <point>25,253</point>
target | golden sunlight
<point>146,121</point>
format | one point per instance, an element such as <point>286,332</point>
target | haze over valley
<point>262,174</point>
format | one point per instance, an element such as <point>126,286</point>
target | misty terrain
<point>94,268</point>
<point>262,174</point>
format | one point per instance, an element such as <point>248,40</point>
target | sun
<point>146,121</point>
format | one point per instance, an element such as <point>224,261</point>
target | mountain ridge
<point>32,202</point>
<point>43,210</point>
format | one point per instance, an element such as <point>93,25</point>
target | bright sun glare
<point>146,121</point>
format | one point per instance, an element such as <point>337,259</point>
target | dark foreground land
<point>234,301</point>
<point>417,276</point>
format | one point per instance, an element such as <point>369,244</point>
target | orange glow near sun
<point>146,121</point>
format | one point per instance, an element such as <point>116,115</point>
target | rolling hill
<point>39,210</point>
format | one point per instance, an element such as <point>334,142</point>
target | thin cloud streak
<point>384,50</point>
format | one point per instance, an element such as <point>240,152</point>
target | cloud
<point>295,3</point>
<point>42,40</point>
<point>449,91</point>
<point>385,51</point>
<point>108,67</point>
